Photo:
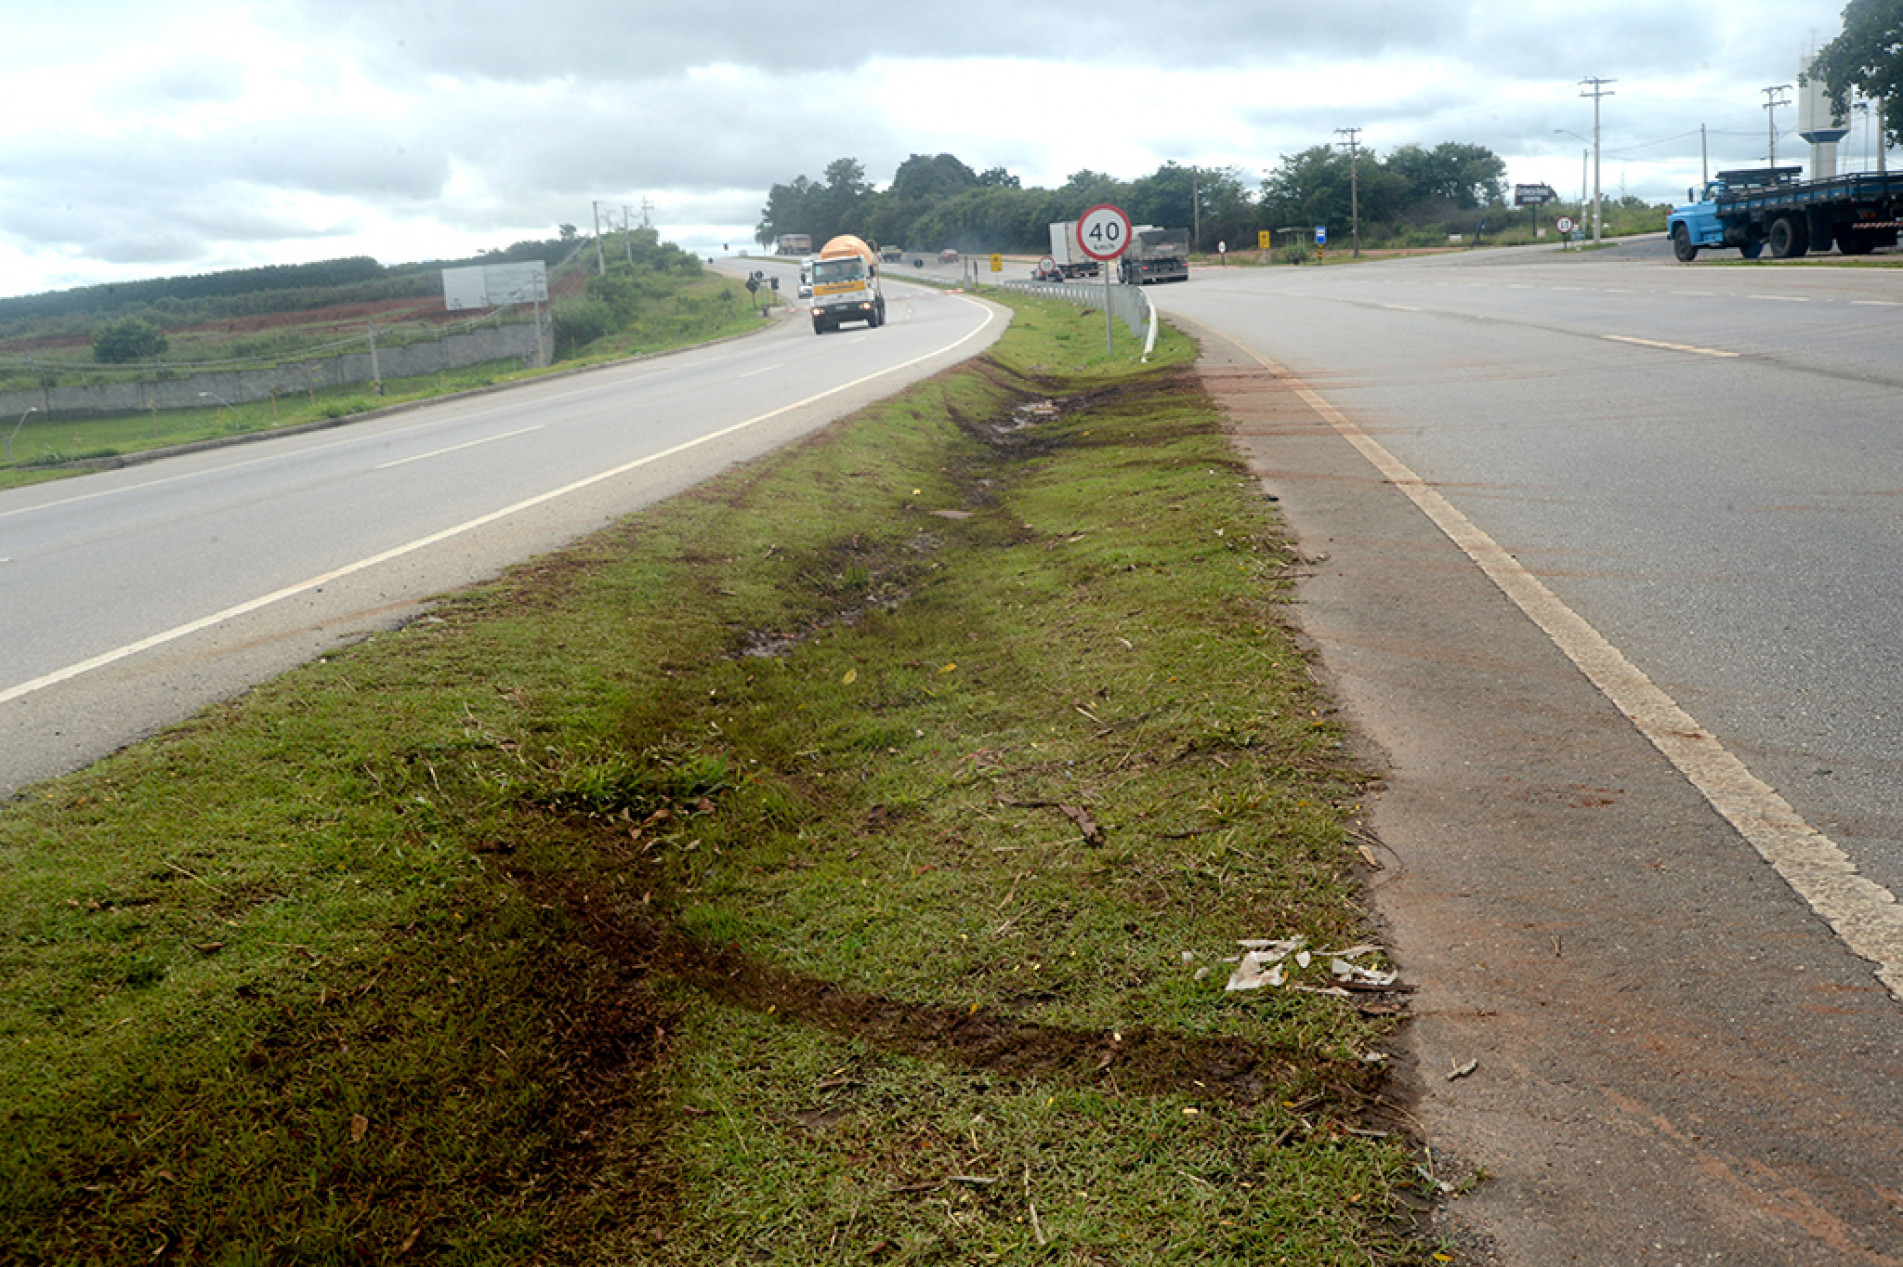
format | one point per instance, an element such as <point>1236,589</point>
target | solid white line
<point>1863,914</point>
<point>467,444</point>
<point>1669,347</point>
<point>173,634</point>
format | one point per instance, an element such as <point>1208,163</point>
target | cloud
<point>224,131</point>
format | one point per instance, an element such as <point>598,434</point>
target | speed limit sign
<point>1103,232</point>
<point>1565,224</point>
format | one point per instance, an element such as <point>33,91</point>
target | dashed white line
<point>764,369</point>
<point>1669,347</point>
<point>1865,916</point>
<point>1874,303</point>
<point>1782,299</point>
<point>467,444</point>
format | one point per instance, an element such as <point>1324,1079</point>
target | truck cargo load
<point>1068,253</point>
<point>1154,255</point>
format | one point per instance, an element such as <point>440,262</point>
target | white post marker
<point>1103,233</point>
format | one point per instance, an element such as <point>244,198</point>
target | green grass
<point>835,864</point>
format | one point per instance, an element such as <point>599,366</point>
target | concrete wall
<point>518,341</point>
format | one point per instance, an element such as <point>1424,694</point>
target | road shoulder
<point>1676,1062</point>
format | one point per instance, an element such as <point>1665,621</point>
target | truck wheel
<point>1852,242</point>
<point>1789,238</point>
<point>819,327</point>
<point>1751,250</point>
<point>1682,248</point>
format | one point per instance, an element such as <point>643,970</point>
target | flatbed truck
<point>1770,208</point>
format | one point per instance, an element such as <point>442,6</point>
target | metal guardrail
<point>1127,303</point>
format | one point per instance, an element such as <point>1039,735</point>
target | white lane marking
<point>1669,347</point>
<point>765,369</point>
<point>1863,914</point>
<point>1874,303</point>
<point>467,444</point>
<point>173,634</point>
<point>1400,308</point>
<point>345,438</point>
<point>1696,294</point>
<point>1781,299</point>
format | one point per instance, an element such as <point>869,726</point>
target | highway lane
<point>1678,1060</point>
<point>130,598</point>
<point>1704,462</point>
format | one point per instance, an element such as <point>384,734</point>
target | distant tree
<point>127,339</point>
<point>1467,176</point>
<point>1308,188</point>
<point>1866,58</point>
<point>568,232</point>
<point>998,178</point>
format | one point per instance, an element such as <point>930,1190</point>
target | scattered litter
<point>1262,964</point>
<point>1277,962</point>
<point>1461,1071</point>
<point>1358,975</point>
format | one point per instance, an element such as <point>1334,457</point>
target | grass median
<point>838,863</point>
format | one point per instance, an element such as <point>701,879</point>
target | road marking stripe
<point>1399,308</point>
<point>1874,303</point>
<point>1781,299</point>
<point>467,444</point>
<point>764,369</point>
<point>173,634</point>
<point>1669,347</point>
<point>1863,914</point>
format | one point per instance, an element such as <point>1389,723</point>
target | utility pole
<point>601,261</point>
<point>1599,90</point>
<point>646,207</point>
<point>1354,181</point>
<point>1771,102</point>
<point>627,231</point>
<point>1195,211</point>
<point>1704,160</point>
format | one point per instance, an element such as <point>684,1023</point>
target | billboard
<point>494,285</point>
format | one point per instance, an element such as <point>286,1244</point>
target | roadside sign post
<point>1565,227</point>
<point>1103,233</point>
<point>1321,242</point>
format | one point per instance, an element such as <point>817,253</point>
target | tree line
<point>244,292</point>
<point>937,201</point>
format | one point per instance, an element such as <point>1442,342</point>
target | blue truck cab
<point>1699,223</point>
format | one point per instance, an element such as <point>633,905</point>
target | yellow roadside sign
<point>1264,240</point>
<point>997,263</point>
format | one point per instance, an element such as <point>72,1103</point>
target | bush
<point>1296,254</point>
<point>127,339</point>
<point>579,322</point>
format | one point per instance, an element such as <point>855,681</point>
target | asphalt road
<point>130,599</point>
<point>1682,485</point>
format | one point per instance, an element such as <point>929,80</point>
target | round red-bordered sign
<point>1103,232</point>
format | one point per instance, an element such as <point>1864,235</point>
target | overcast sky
<point>145,138</point>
